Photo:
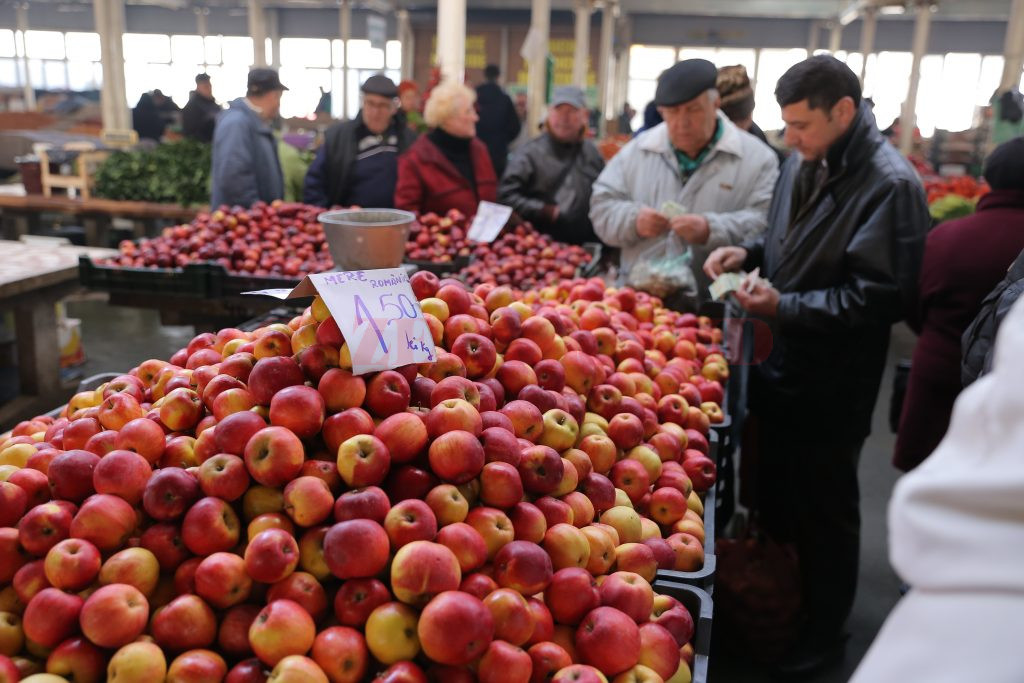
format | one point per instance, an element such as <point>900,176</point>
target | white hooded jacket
<point>957,537</point>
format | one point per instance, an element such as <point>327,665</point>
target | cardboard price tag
<point>489,220</point>
<point>377,314</point>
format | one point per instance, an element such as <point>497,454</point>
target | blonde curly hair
<point>444,101</point>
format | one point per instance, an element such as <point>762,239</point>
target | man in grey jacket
<point>245,166</point>
<point>549,179</point>
<point>697,158</point>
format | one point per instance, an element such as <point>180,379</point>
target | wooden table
<point>33,278</point>
<point>20,215</point>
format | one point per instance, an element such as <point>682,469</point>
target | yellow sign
<point>476,51</point>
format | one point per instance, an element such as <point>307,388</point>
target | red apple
<point>271,374</point>
<point>114,615</point>
<point>298,408</point>
<point>222,581</point>
<point>282,628</point>
<point>455,628</point>
<point>571,595</point>
<point>271,555</point>
<point>51,617</point>
<point>356,548</point>
<point>608,640</point>
<point>456,456</point>
<point>274,456</point>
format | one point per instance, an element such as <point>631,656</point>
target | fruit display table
<point>19,215</point>
<point>33,278</point>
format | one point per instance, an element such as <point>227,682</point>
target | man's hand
<point>724,260</point>
<point>650,223</point>
<point>762,301</point>
<point>691,227</point>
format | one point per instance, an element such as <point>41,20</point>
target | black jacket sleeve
<point>314,188</point>
<point>883,260</point>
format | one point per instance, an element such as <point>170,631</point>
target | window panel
<point>83,47</point>
<point>211,45</point>
<point>7,48</point>
<point>310,52</point>
<point>82,76</point>
<point>648,62</point>
<point>237,50</point>
<point>45,44</point>
<point>147,47</point>
<point>362,56</point>
<point>10,75</point>
<point>887,84</point>
<point>188,49</point>
<point>640,92</point>
<point>183,81</point>
<point>394,54</point>
<point>773,64</point>
<point>988,81</point>
<point>35,72</point>
<point>56,74</point>
<point>929,94</point>
<point>338,53</point>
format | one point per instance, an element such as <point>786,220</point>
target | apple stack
<point>275,240</point>
<point>252,506</point>
<point>440,239</point>
<point>524,258</point>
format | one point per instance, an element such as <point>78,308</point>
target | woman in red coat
<point>448,168</point>
<point>963,261</point>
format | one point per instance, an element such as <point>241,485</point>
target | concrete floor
<point>118,338</point>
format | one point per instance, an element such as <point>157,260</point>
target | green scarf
<point>688,166</point>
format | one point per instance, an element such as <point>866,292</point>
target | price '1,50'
<point>403,305</point>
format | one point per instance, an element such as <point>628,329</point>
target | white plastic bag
<point>663,268</point>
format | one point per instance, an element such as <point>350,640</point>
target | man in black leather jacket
<point>549,179</point>
<point>842,253</point>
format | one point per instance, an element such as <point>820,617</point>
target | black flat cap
<point>379,84</point>
<point>262,80</point>
<point>684,81</point>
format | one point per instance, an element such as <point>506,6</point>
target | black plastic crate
<point>701,607</point>
<point>224,283</point>
<point>596,251</point>
<point>442,269</point>
<point>191,280</point>
<point>705,576</point>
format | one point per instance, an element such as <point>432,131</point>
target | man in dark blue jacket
<point>358,163</point>
<point>245,167</point>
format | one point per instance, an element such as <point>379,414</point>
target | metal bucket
<point>364,239</point>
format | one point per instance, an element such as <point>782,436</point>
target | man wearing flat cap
<point>549,179</point>
<point>721,176</point>
<point>245,167</point>
<point>358,163</point>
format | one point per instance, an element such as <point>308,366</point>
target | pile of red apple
<point>440,239</point>
<point>524,258</point>
<point>252,509</point>
<point>267,240</point>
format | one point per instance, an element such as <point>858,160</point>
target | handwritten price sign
<point>379,317</point>
<point>377,314</point>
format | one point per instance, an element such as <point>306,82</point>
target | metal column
<point>451,39</point>
<point>258,32</point>
<point>108,16</point>
<point>867,39</point>
<point>408,41</point>
<point>581,57</point>
<point>345,31</point>
<point>536,84</point>
<point>1013,52</point>
<point>908,120</point>
<point>835,37</point>
<point>604,65</point>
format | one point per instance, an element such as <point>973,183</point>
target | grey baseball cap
<point>569,94</point>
